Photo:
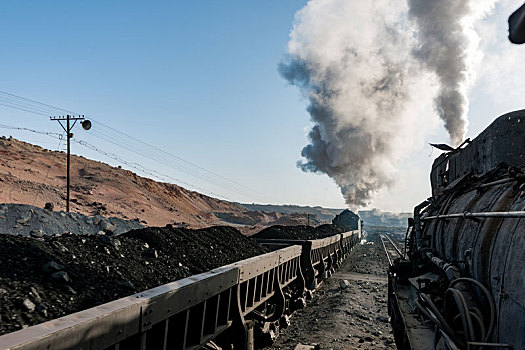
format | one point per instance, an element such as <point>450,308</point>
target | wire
<point>133,165</point>
<point>181,159</point>
<point>135,145</point>
<point>466,313</point>
<point>132,146</point>
<point>488,296</point>
<point>139,167</point>
<point>166,164</point>
<point>21,109</point>
<point>36,102</point>
<point>55,134</point>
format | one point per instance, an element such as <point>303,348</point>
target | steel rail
<point>386,251</point>
<point>395,247</point>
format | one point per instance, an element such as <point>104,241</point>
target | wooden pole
<point>68,161</point>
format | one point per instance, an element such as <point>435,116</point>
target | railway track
<point>238,305</point>
<point>391,249</point>
<point>348,310</point>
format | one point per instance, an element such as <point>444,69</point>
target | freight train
<point>239,306</point>
<point>460,282</point>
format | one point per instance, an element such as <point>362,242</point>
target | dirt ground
<point>346,317</point>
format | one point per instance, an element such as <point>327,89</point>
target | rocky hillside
<point>33,175</point>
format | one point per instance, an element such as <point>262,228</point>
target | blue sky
<point>198,79</point>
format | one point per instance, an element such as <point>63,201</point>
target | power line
<point>136,166</point>
<point>36,102</point>
<point>135,145</point>
<point>183,160</point>
<point>22,109</point>
<point>55,134</point>
<point>159,160</point>
<point>141,168</point>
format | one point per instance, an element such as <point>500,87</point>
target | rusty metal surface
<point>475,226</point>
<point>111,323</point>
<point>259,264</point>
<point>167,300</point>
<point>490,250</point>
<point>507,276</point>
<point>97,328</point>
<point>502,141</point>
<point>320,255</point>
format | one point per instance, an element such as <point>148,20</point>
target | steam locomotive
<point>461,281</point>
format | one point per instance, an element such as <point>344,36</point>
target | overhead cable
<point>137,146</point>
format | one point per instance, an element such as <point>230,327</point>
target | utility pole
<point>86,125</point>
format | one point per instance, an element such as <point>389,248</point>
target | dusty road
<point>346,317</point>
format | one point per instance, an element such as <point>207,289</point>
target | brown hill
<point>33,175</point>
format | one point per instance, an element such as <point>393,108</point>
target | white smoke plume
<point>359,65</point>
<point>448,47</point>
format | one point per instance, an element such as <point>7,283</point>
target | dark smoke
<point>355,63</point>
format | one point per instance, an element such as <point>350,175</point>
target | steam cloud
<point>447,47</point>
<point>361,67</point>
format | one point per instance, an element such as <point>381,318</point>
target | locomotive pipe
<point>485,291</point>
<point>497,345</point>
<point>518,177</point>
<point>450,270</point>
<point>484,180</point>
<point>494,214</point>
<point>417,225</point>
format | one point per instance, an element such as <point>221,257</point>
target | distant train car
<point>462,282</point>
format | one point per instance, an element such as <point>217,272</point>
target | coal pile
<point>48,277</point>
<point>300,232</point>
<point>28,220</point>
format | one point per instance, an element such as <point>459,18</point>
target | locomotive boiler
<point>460,284</point>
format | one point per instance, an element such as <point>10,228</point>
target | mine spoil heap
<point>48,277</point>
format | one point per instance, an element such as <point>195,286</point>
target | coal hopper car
<point>461,282</point>
<point>238,306</point>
